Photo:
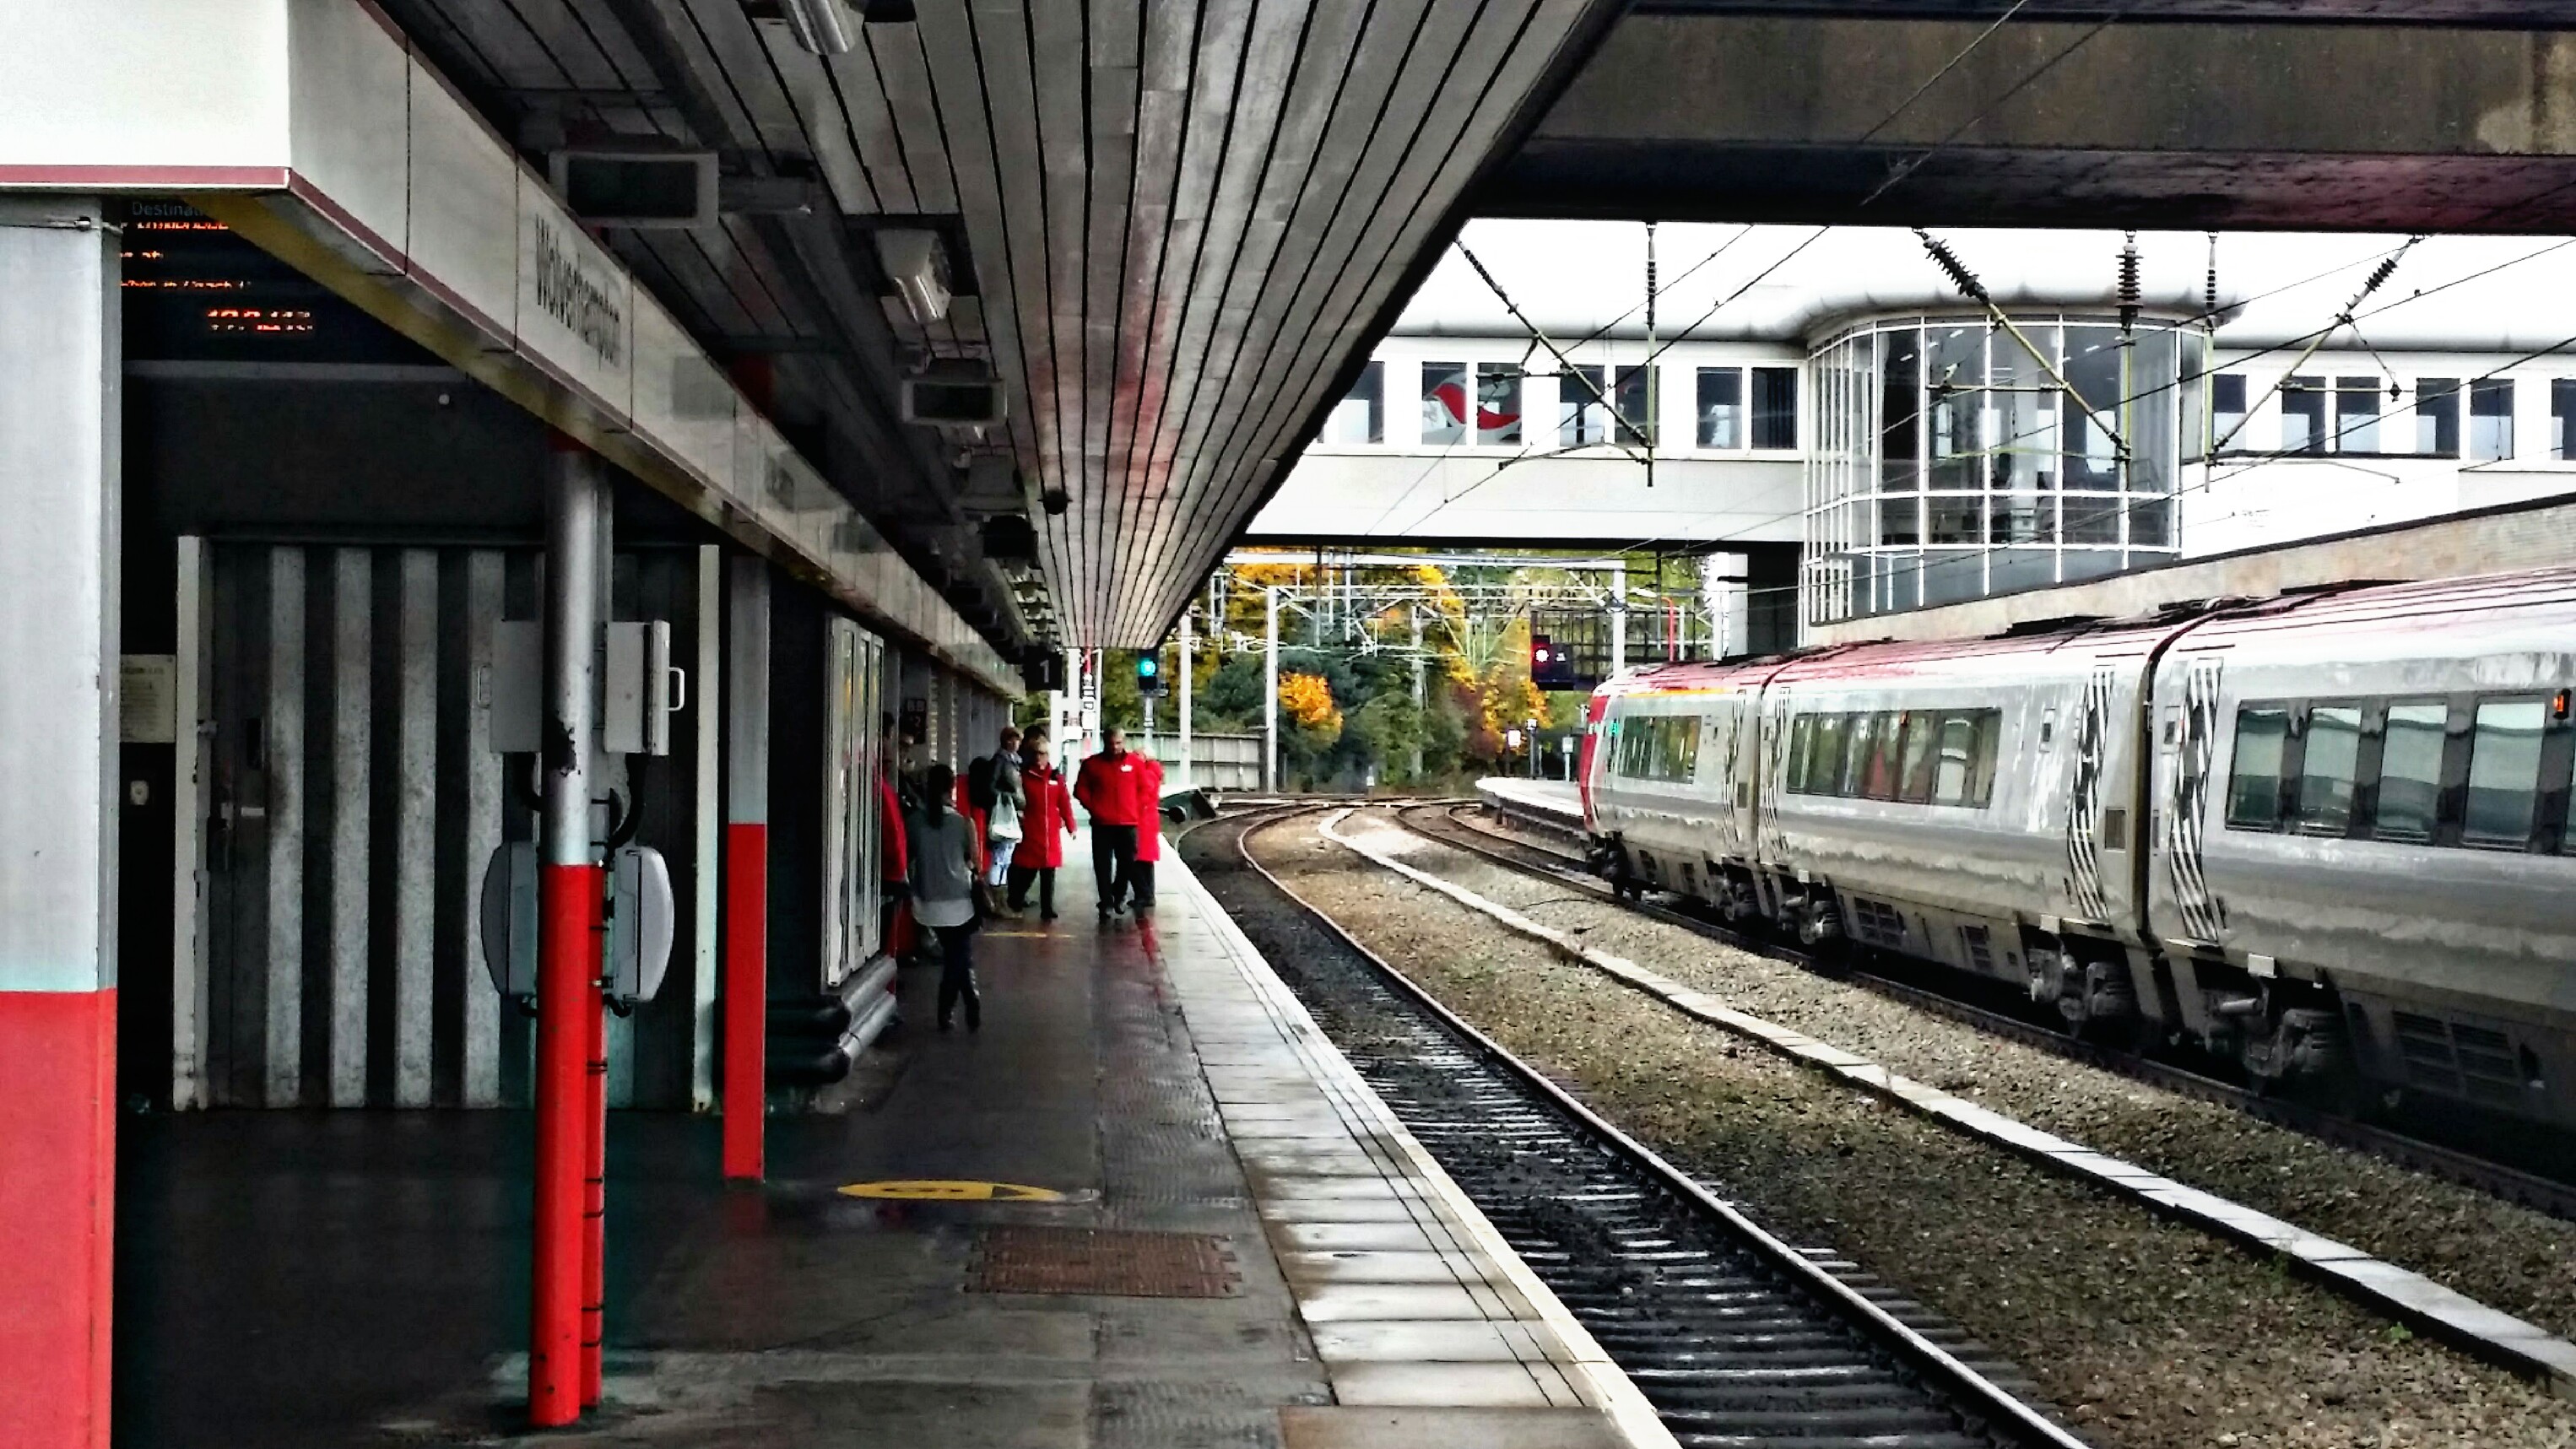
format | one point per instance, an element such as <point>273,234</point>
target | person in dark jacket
<point>943,871</point>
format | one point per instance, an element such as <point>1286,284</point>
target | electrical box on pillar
<point>509,919</point>
<point>642,923</point>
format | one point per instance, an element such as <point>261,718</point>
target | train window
<point>2254,791</point>
<point>1964,773</point>
<point>1802,734</point>
<point>1683,756</point>
<point>2326,773</point>
<point>1862,745</point>
<point>1922,727</point>
<point>2410,771</point>
<point>1825,759</point>
<point>2504,772</point>
<point>1879,781</point>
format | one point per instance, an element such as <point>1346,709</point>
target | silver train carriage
<point>2325,834</point>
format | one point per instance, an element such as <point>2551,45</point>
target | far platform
<point>1550,804</point>
<point>1175,1216</point>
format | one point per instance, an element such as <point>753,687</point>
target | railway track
<point>1735,1337</point>
<point>1440,821</point>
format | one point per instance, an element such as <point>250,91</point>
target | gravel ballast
<point>2147,1333</point>
<point>2506,1256</point>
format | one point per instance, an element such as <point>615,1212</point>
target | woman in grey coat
<point>943,891</point>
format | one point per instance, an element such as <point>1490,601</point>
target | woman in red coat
<point>1049,812</point>
<point>1149,831</point>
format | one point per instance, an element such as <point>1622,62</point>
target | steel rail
<point>1986,1408</point>
<point>2536,1191</point>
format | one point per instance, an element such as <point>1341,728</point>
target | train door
<point>1596,712</point>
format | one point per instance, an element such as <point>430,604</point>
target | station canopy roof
<point>1170,227</point>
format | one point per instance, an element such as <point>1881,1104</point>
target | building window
<point>1582,416</point>
<point>1775,407</point>
<point>2356,415</point>
<point>1444,403</point>
<point>1633,398</point>
<point>2226,408</point>
<point>2491,418</point>
<point>2303,415</point>
<point>1360,417</point>
<point>1498,403</point>
<point>2437,417</point>
<point>1721,407</point>
<point>2562,418</point>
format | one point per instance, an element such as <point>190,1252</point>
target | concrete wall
<point>2499,540</point>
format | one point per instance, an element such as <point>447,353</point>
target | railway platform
<point>1547,804</point>
<point>1147,1204</point>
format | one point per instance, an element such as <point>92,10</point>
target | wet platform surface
<point>1236,1246</point>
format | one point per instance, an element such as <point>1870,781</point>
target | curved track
<point>1733,1335</point>
<point>1440,821</point>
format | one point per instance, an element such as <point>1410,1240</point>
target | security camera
<point>1056,500</point>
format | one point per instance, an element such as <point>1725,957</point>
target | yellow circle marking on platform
<point>945,1190</point>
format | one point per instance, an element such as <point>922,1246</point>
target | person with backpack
<point>993,790</point>
<point>944,878</point>
<point>1040,852</point>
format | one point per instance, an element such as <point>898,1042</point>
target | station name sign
<point>574,297</point>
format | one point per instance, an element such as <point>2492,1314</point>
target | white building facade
<point>1838,396</point>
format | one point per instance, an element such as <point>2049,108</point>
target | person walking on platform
<point>943,879</point>
<point>993,788</point>
<point>892,876</point>
<point>1040,852</point>
<point>1107,789</point>
<point>1149,832</point>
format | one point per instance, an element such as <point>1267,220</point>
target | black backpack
<point>979,783</point>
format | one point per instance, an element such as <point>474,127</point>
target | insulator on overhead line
<point>1948,261</point>
<point>2209,298</point>
<point>2129,283</point>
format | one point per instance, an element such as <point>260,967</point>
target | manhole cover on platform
<point>1103,1261</point>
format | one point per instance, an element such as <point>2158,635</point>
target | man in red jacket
<point>1107,789</point>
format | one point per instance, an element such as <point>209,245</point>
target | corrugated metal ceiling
<point>1184,219</point>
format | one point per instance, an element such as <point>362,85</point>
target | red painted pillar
<point>571,882</point>
<point>594,1206</point>
<point>58,781</point>
<point>746,867</point>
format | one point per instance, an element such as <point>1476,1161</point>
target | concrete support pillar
<point>746,968</point>
<point>1188,668</point>
<point>1270,689</point>
<point>59,415</point>
<point>571,879</point>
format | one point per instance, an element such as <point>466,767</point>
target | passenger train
<point>2325,835</point>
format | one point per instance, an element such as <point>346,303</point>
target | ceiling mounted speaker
<point>917,264</point>
<point>821,26</point>
<point>1009,538</point>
